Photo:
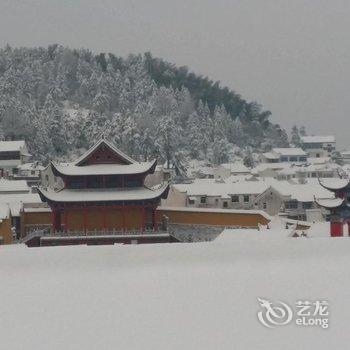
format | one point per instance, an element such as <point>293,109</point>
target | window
<point>307,205</point>
<point>32,172</point>
<point>234,199</point>
<point>14,171</point>
<point>76,183</point>
<point>246,198</point>
<point>284,159</point>
<point>94,182</point>
<point>291,205</point>
<point>224,204</point>
<point>133,183</point>
<point>302,159</point>
<point>264,205</point>
<point>113,181</point>
<point>317,155</point>
<point>191,201</point>
<point>293,159</point>
<point>203,200</point>
<point>47,178</point>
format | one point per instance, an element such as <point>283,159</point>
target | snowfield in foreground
<point>172,296</point>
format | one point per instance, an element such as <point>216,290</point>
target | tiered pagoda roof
<point>340,187</point>
<point>134,194</point>
<point>104,160</point>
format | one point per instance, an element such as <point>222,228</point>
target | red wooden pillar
<point>336,228</point>
<point>104,217</point>
<point>143,215</point>
<point>56,219</point>
<point>53,219</point>
<point>154,224</point>
<point>123,216</point>
<point>65,219</point>
<point>85,218</point>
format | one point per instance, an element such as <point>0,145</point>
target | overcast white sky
<point>292,56</point>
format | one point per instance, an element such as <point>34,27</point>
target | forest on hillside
<point>61,100</point>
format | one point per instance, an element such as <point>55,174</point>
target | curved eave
<point>144,172</point>
<point>152,195</point>
<point>330,203</point>
<point>334,187</point>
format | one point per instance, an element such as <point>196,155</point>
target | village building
<point>103,190</point>
<point>30,172</point>
<point>345,157</point>
<point>12,154</point>
<point>13,193</point>
<point>318,146</point>
<point>226,170</point>
<point>293,200</point>
<point>210,193</point>
<point>284,155</point>
<point>265,170</point>
<point>324,170</point>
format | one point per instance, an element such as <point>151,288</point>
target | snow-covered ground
<point>172,296</point>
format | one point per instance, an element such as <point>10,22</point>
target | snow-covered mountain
<point>60,100</point>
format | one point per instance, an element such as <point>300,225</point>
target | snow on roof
<point>270,166</point>
<point>320,160</point>
<point>103,169</point>
<point>236,167</point>
<point>16,201</point>
<point>205,170</point>
<point>104,195</point>
<point>300,192</point>
<point>241,177</point>
<point>108,144</point>
<point>215,210</point>
<point>271,155</point>
<point>31,166</point>
<point>290,151</point>
<point>13,186</point>
<point>334,183</point>
<point>345,153</point>
<point>330,203</point>
<point>12,146</point>
<point>318,139</point>
<point>201,188</point>
<point>37,210</point>
<point>4,211</point>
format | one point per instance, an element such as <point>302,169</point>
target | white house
<point>30,170</point>
<point>284,155</point>
<point>318,146</point>
<point>292,199</point>
<point>208,193</point>
<point>12,154</point>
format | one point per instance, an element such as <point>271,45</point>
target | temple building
<point>103,190</point>
<point>339,207</point>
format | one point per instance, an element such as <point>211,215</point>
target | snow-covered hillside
<point>171,296</point>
